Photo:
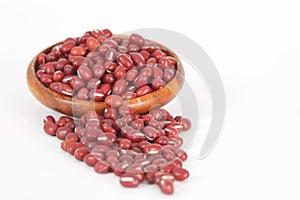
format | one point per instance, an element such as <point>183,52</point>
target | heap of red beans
<point>97,64</point>
<point>134,147</point>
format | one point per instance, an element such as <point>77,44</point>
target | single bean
<point>92,43</point>
<point>144,90</point>
<point>80,153</point>
<point>78,51</point>
<point>84,73</point>
<point>50,128</point>
<point>114,101</point>
<point>125,60</point>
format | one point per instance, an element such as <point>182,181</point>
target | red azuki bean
<point>176,141</point>
<point>90,160</point>
<point>135,135</point>
<point>50,128</point>
<point>150,47</point>
<point>151,133</point>
<point>69,69</point>
<point>73,136</point>
<point>78,51</point>
<point>131,74</point>
<point>145,54</point>
<point>50,67</point>
<point>124,143</point>
<point>101,167</point>
<point>66,90</point>
<point>78,61</point>
<point>110,113</point>
<point>114,101</point>
<point>108,128</point>
<point>84,73</point>
<point>126,158</point>
<point>61,132</point>
<point>51,57</point>
<point>96,95</point>
<point>117,39</point>
<point>108,78</point>
<point>166,186</point>
<point>93,83</point>
<point>147,71</point>
<point>158,54</point>
<point>143,90</point>
<point>162,140</point>
<point>92,134</point>
<point>76,83</point>
<point>39,73</point>
<point>98,71</point>
<point>133,48</point>
<point>150,168</point>
<point>67,79</point>
<point>64,145</point>
<point>186,123</point>
<point>92,43</point>
<point>151,61</point>
<point>58,76</point>
<point>125,110</point>
<point>105,88</point>
<point>138,59</point>
<point>67,46</point>
<point>169,155</point>
<point>157,73</point>
<point>41,58</point>
<point>137,124</point>
<point>61,63</point>
<point>122,49</point>
<point>103,48</point>
<point>111,43</point>
<point>129,95</point>
<point>141,80</point>
<point>181,154</point>
<point>169,74</point>
<point>120,86</point>
<point>164,63</point>
<point>136,39</point>
<point>49,118</point>
<point>180,174</point>
<point>129,180</point>
<point>80,153</point>
<point>119,72</point>
<point>71,148</point>
<point>172,60</point>
<point>152,148</point>
<point>96,33</point>
<point>157,84</point>
<point>46,79</point>
<point>125,60</point>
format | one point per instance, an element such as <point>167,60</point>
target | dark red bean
<point>58,76</point>
<point>147,71</point>
<point>138,59</point>
<point>120,86</point>
<point>114,101</point>
<point>151,133</point>
<point>92,43</point>
<point>83,94</point>
<point>73,136</point>
<point>152,148</point>
<point>126,158</point>
<point>71,148</point>
<point>158,54</point>
<point>108,78</point>
<point>61,63</point>
<point>167,167</point>
<point>50,67</point>
<point>132,74</point>
<point>151,61</point>
<point>111,55</point>
<point>136,39</point>
<point>135,135</point>
<point>51,57</point>
<point>96,95</point>
<point>124,143</point>
<point>66,90</point>
<point>80,153</point>
<point>133,48</point>
<point>98,71</point>
<point>93,83</point>
<point>181,154</point>
<point>180,174</point>
<point>157,84</point>
<point>125,60</point>
<point>50,128</point>
<point>150,47</point>
<point>169,74</point>
<point>110,113</point>
<point>166,186</point>
<point>69,69</point>
<point>129,95</point>
<point>150,168</point>
<point>41,58</point>
<point>137,124</point>
<point>84,73</point>
<point>111,43</point>
<point>164,63</point>
<point>186,123</point>
<point>61,132</point>
<point>90,160</point>
<point>141,80</point>
<point>125,110</point>
<point>169,155</point>
<point>78,51</point>
<point>145,54</point>
<point>67,46</point>
<point>108,128</point>
<point>172,60</point>
<point>119,72</point>
<point>101,167</point>
<point>157,73</point>
<point>49,118</point>
<point>122,49</point>
<point>129,180</point>
<point>143,90</point>
<point>162,140</point>
<point>105,88</point>
<point>46,79</point>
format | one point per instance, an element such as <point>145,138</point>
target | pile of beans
<point>134,147</point>
<point>98,64</point>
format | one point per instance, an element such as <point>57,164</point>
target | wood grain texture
<point>75,107</point>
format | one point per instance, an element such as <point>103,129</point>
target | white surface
<point>254,44</point>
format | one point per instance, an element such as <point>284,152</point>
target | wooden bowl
<point>76,107</point>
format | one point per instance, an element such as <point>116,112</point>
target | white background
<point>255,46</point>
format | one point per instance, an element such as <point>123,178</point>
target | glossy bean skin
<point>114,101</point>
<point>136,39</point>
<point>71,148</point>
<point>101,167</point>
<point>180,174</point>
<point>120,87</point>
<point>84,73</point>
<point>125,60</point>
<point>80,153</point>
<point>50,128</point>
<point>129,180</point>
<point>143,90</point>
<point>90,160</point>
<point>92,43</point>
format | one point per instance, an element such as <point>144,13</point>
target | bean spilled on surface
<point>133,147</point>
